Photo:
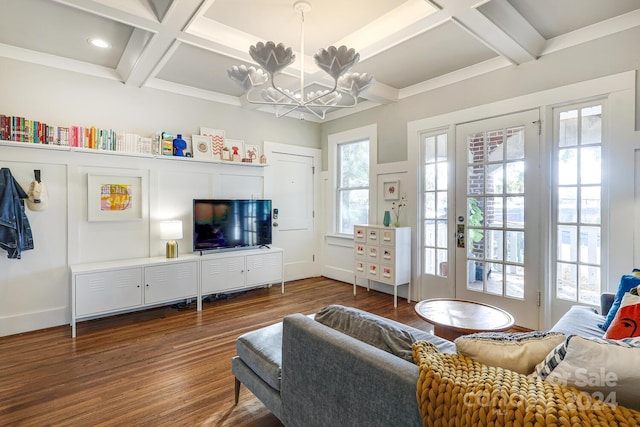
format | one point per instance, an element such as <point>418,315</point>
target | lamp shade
<point>171,230</point>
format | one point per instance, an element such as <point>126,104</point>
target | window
<point>352,185</point>
<point>578,205</point>
<point>435,225</point>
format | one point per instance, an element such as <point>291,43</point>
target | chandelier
<point>273,59</point>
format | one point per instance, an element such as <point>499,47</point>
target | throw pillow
<point>519,352</point>
<point>371,329</point>
<point>627,282</point>
<point>606,369</point>
<point>625,324</point>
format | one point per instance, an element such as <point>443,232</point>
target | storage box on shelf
<point>105,288</point>
<point>383,254</point>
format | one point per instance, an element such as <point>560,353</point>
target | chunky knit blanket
<point>454,390</point>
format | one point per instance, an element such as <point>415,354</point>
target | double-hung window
<point>352,185</point>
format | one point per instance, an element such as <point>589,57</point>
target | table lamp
<point>171,231</point>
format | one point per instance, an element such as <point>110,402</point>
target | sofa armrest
<point>329,378</point>
<point>606,300</point>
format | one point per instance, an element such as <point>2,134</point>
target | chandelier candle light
<point>273,58</point>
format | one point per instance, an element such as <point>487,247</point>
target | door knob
<point>275,224</point>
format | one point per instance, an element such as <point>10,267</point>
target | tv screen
<point>226,224</point>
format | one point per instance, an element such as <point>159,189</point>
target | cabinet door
<point>222,274</point>
<point>264,268</point>
<point>108,291</point>
<point>170,282</point>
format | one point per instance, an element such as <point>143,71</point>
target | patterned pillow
<point>625,324</point>
<point>606,369</point>
<point>519,352</point>
<point>627,282</point>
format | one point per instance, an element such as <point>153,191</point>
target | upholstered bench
<point>258,365</point>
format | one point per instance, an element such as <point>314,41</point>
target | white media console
<point>105,288</point>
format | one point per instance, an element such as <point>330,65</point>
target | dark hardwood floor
<point>161,367</point>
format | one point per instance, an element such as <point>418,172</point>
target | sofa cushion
<point>580,320</point>
<point>457,390</point>
<point>377,331</point>
<point>519,352</point>
<point>625,324</point>
<point>261,350</point>
<point>627,282</point>
<point>607,369</point>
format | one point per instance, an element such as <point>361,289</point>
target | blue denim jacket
<point>15,230</point>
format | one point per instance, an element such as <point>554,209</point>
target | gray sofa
<point>309,374</point>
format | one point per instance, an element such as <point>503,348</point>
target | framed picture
<point>114,197</point>
<point>236,148</point>
<point>216,139</point>
<point>391,190</point>
<point>252,151</point>
<point>201,147</point>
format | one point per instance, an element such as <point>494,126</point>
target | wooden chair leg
<point>237,390</point>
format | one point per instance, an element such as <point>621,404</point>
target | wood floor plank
<point>159,367</point>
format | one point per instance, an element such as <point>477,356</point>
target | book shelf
<point>30,145</point>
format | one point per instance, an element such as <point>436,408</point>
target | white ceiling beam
<point>146,22</point>
<point>176,19</point>
<point>55,61</point>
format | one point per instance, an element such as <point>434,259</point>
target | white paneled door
<point>498,214</point>
<point>290,183</point>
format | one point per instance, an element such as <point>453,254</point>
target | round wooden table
<point>452,318</point>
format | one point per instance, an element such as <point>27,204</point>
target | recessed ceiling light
<point>99,43</point>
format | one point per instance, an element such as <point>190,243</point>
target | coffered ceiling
<point>409,46</point>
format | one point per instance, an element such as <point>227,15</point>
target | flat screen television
<point>230,224</point>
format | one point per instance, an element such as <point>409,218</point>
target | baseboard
<point>336,273</point>
<point>26,322</point>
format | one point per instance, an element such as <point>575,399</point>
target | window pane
<point>475,145</point>
<point>429,261</point>
<point>441,231</point>
<point>592,125</point>
<point>494,244</point>
<point>495,211</point>
<point>354,164</point>
<point>515,212</point>
<point>429,210</point>
<point>568,167</point>
<point>515,177</point>
<point>515,281</point>
<point>590,205</point>
<point>567,204</point>
<point>430,177</point>
<point>567,243</point>
<point>568,128</point>
<point>567,284</point>
<point>442,147</point>
<point>590,165</point>
<point>429,149</point>
<point>430,233</point>
<point>443,265</point>
<point>495,179</point>
<point>495,145</point>
<point>442,175</point>
<point>441,204</point>
<point>354,209</point>
<point>589,285</point>
<point>590,245</point>
<point>515,246</point>
<point>475,179</point>
<point>515,143</point>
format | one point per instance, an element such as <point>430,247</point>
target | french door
<point>497,214</point>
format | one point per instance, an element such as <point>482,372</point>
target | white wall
<point>34,291</point>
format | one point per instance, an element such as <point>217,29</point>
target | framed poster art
<point>216,139</point>
<point>251,151</point>
<point>114,198</point>
<point>236,148</point>
<point>201,147</point>
<point>391,190</point>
